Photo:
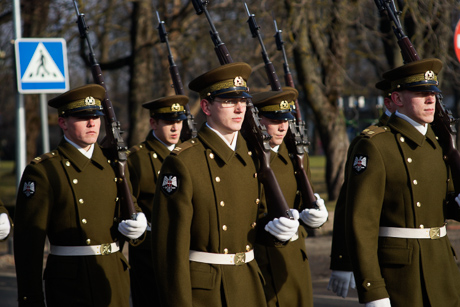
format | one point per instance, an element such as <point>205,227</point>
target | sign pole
<point>44,123</point>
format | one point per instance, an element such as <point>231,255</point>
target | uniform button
<point>81,201</point>
<point>297,192</point>
<point>192,141</point>
<point>444,157</point>
<point>257,201</point>
<point>75,181</point>
<point>158,172</point>
<point>253,225</point>
<point>415,182</point>
<point>115,179</point>
<point>421,226</point>
<point>115,219</point>
<point>25,298</point>
<point>67,163</point>
<point>108,161</point>
<point>222,203</point>
<point>340,256</point>
<point>419,204</point>
<point>154,155</point>
<point>368,284</point>
<point>248,248</point>
<point>217,179</point>
<point>249,153</point>
<point>141,146</point>
<point>116,198</point>
<point>88,241</point>
<point>211,155</point>
<point>84,221</point>
<point>225,250</point>
<point>409,160</point>
<point>255,175</point>
<point>224,227</point>
<point>402,139</point>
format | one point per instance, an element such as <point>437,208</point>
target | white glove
<point>457,200</point>
<point>283,228</point>
<point>133,229</point>
<point>314,218</point>
<point>384,302</point>
<point>4,226</point>
<point>340,281</point>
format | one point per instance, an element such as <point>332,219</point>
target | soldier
<point>5,222</point>
<point>286,270</point>
<point>397,184</point>
<point>342,272</point>
<point>205,209</point>
<point>70,197</point>
<point>144,160</point>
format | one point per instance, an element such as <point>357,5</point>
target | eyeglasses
<point>231,103</point>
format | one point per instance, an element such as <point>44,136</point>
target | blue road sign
<point>41,65</point>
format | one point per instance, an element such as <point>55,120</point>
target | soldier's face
<point>276,128</point>
<point>419,106</point>
<point>166,131</point>
<point>83,131</point>
<point>225,115</point>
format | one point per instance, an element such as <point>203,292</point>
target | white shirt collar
<point>276,148</point>
<point>87,154</point>
<point>170,147</point>
<point>421,128</point>
<point>231,145</point>
<point>388,113</point>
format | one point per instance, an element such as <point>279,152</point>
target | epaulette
<point>372,131</point>
<point>44,157</point>
<point>184,146</point>
<point>133,149</point>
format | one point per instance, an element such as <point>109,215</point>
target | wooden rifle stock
<point>254,133</point>
<point>113,142</point>
<point>189,127</point>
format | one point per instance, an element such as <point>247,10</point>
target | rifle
<point>254,133</point>
<point>113,141</point>
<point>293,139</point>
<point>189,129</point>
<point>444,123</point>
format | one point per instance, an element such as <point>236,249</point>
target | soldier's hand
<point>340,282</point>
<point>283,228</point>
<point>384,302</point>
<point>315,218</point>
<point>457,200</point>
<point>4,226</point>
<point>133,229</point>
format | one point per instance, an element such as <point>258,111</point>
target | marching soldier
<point>397,184</point>
<point>144,160</point>
<point>286,270</point>
<point>205,209</point>
<point>5,222</point>
<point>342,272</point>
<point>70,197</point>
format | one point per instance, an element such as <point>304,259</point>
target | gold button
<point>211,155</point>
<point>84,221</point>
<point>108,161</point>
<point>116,198</point>
<point>415,182</point>
<point>225,250</point>
<point>255,175</point>
<point>88,241</point>
<point>419,204</point>
<point>248,248</point>
<point>253,225</point>
<point>25,298</point>
<point>141,146</point>
<point>297,192</point>
<point>257,201</point>
<point>53,153</point>
<point>409,160</point>
<point>81,201</point>
<point>154,155</point>
<point>402,139</point>
<point>368,284</point>
<point>75,181</point>
<point>67,163</point>
<point>158,172</point>
<point>421,226</point>
<point>340,256</point>
<point>250,153</point>
<point>115,219</point>
<point>222,203</point>
<point>224,227</point>
<point>115,179</point>
<point>217,179</point>
<point>192,141</point>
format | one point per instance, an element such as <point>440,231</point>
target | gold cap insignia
<point>239,81</point>
<point>176,107</point>
<point>90,101</point>
<point>284,105</point>
<point>429,75</point>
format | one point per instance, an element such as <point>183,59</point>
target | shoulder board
<point>44,157</point>
<point>372,131</point>
<point>134,149</point>
<point>183,146</point>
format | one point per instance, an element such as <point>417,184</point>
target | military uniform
<point>144,163</point>
<point>72,201</point>
<point>397,183</point>
<point>205,213</point>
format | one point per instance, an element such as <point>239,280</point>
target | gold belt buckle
<point>239,259</point>
<point>106,249</point>
<point>435,233</point>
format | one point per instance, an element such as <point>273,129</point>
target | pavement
<point>318,248</point>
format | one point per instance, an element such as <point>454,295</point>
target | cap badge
<point>284,105</point>
<point>90,101</point>
<point>175,107</point>
<point>429,75</point>
<point>238,81</point>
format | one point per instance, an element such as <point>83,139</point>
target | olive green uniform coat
<point>285,269</point>
<point>144,163</point>
<point>212,209</point>
<point>403,185</point>
<point>340,260</point>
<point>73,202</point>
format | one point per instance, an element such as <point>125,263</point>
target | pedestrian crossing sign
<point>41,65</point>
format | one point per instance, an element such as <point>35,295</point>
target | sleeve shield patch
<point>359,164</point>
<point>169,184</point>
<point>29,188</point>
